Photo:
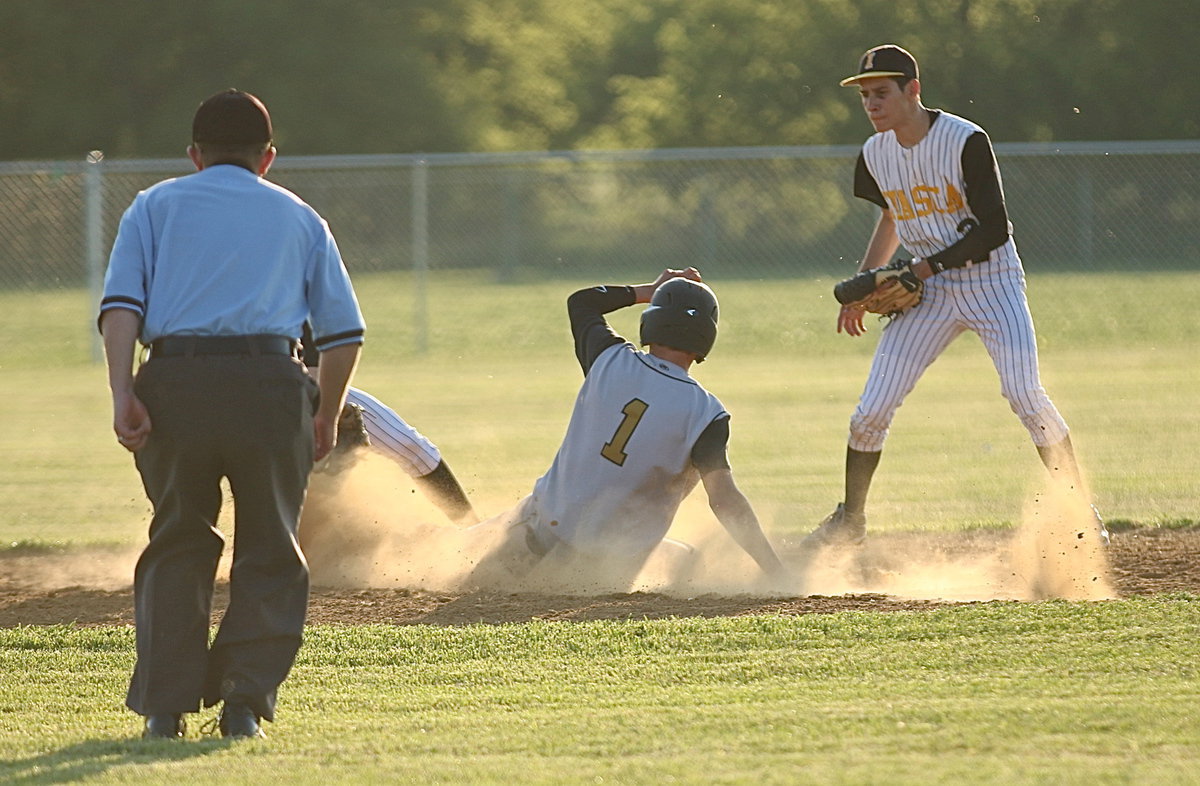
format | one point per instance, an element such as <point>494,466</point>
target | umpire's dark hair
<point>682,314</point>
<point>232,119</point>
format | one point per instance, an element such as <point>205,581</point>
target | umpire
<point>215,273</point>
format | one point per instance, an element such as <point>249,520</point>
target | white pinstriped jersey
<point>927,196</point>
<point>625,463</point>
<point>393,437</point>
<point>925,188</point>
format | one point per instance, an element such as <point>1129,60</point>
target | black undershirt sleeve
<point>710,451</point>
<point>865,186</point>
<point>984,195</point>
<point>592,333</point>
<point>986,199</point>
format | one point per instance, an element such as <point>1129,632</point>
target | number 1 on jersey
<point>614,449</point>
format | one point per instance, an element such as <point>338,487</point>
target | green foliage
<point>987,693</point>
<point>369,76</point>
<point>736,73</point>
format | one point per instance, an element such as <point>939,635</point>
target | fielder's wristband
<point>926,268</point>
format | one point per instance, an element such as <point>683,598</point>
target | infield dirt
<point>377,558</point>
<point>36,589</point>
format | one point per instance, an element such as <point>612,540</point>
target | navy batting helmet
<point>682,314</point>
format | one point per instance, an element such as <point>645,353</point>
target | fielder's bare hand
<point>850,320</point>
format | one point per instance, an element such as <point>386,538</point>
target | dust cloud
<point>93,568</point>
<point>368,527</point>
<point>1058,553</point>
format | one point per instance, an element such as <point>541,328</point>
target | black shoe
<point>238,720</point>
<point>840,528</point>
<point>164,726</point>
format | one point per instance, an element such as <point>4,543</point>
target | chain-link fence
<point>733,212</point>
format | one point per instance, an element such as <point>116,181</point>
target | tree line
<point>406,76</point>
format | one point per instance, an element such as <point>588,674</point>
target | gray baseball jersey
<point>946,199</point>
<point>625,463</point>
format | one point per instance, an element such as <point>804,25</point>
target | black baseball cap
<point>232,118</point>
<point>885,60</point>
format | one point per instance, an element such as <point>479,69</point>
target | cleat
<point>840,528</point>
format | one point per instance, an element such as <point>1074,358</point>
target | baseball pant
<point>988,299</point>
<point>249,419</point>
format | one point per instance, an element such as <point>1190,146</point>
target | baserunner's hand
<point>670,273</point>
<point>643,292</point>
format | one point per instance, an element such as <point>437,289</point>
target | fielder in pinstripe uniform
<point>392,437</point>
<point>935,179</point>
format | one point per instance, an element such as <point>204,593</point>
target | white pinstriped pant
<point>391,435</point>
<point>988,299</point>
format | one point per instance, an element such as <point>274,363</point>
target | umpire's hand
<point>131,421</point>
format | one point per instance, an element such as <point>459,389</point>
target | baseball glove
<point>888,290</point>
<point>352,434</point>
<point>352,431</point>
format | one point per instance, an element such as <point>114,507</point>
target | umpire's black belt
<point>189,346</point>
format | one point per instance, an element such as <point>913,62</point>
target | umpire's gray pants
<point>249,419</point>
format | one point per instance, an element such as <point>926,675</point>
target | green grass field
<point>495,388</point>
<point>995,693</point>
<point>1024,693</point>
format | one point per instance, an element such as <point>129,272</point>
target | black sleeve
<point>865,186</point>
<point>986,200</point>
<point>710,451</point>
<point>592,333</point>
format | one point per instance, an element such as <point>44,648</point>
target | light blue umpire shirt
<point>224,252</point>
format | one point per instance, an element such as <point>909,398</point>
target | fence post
<point>93,228</point>
<point>420,251</point>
